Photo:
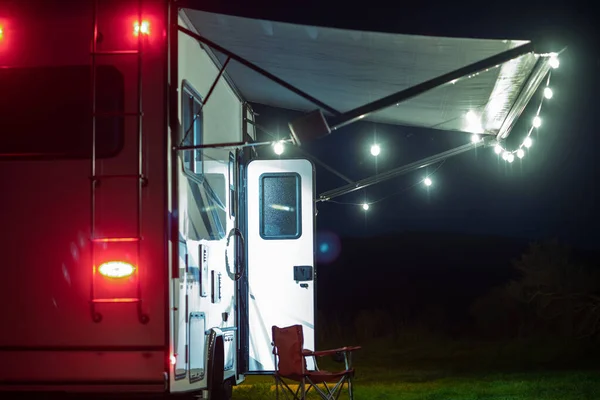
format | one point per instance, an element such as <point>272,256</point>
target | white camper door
<point>280,242</point>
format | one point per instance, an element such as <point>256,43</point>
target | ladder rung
<point>118,114</point>
<point>115,52</point>
<point>130,176</point>
<point>115,239</point>
<point>117,300</point>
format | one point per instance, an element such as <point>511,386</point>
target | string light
<point>375,150</point>
<point>474,127</point>
<point>536,123</point>
<point>278,148</point>
<point>554,63</point>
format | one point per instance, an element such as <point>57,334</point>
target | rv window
<point>206,209</point>
<point>192,128</point>
<point>47,112</point>
<point>280,206</point>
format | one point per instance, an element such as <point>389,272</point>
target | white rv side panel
<point>205,286</point>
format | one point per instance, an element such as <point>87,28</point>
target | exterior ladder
<point>96,178</point>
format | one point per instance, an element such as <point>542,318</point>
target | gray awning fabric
<point>346,69</point>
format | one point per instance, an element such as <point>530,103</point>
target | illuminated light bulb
<point>554,63</point>
<point>375,150</point>
<point>427,181</point>
<point>116,269</point>
<point>537,121</point>
<point>278,148</point>
<point>520,153</point>
<point>475,138</point>
<point>173,359</point>
<point>473,122</point>
<point>144,28</point>
<point>498,149</point>
<point>548,93</point>
<point>471,116</point>
<point>527,142</point>
<point>365,206</point>
<point>505,155</point>
<point>511,157</point>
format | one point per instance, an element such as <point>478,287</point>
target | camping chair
<point>290,363</point>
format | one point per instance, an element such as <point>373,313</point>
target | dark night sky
<point>551,193</point>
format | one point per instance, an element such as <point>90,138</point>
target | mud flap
<point>216,366</point>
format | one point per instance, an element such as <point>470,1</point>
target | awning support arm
<point>424,162</point>
<point>361,112</point>
<point>261,71</point>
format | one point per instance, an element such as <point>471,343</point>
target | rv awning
<point>346,69</point>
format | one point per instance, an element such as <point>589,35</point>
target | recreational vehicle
<point>128,250</point>
<point>144,246</point>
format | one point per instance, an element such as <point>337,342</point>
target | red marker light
<point>116,269</point>
<point>144,28</point>
<point>173,359</point>
<point>1,33</point>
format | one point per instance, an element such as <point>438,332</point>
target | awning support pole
<point>261,71</point>
<point>361,112</point>
<point>424,162</point>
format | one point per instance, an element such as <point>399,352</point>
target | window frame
<point>188,92</point>
<point>261,217</point>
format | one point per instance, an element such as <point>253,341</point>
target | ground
<point>421,385</point>
<point>462,370</point>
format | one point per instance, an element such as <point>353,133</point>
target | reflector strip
<point>109,240</point>
<point>117,300</point>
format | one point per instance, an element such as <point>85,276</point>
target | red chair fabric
<point>290,363</point>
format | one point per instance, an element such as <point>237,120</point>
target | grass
<point>556,385</point>
<point>436,368</point>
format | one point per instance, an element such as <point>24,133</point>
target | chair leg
<point>350,390</point>
<point>276,388</point>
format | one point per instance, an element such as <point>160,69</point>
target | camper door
<point>280,242</point>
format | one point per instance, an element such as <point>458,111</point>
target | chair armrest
<point>321,353</point>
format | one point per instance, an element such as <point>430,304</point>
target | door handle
<point>304,285</point>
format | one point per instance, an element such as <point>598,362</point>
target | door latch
<point>303,273</point>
